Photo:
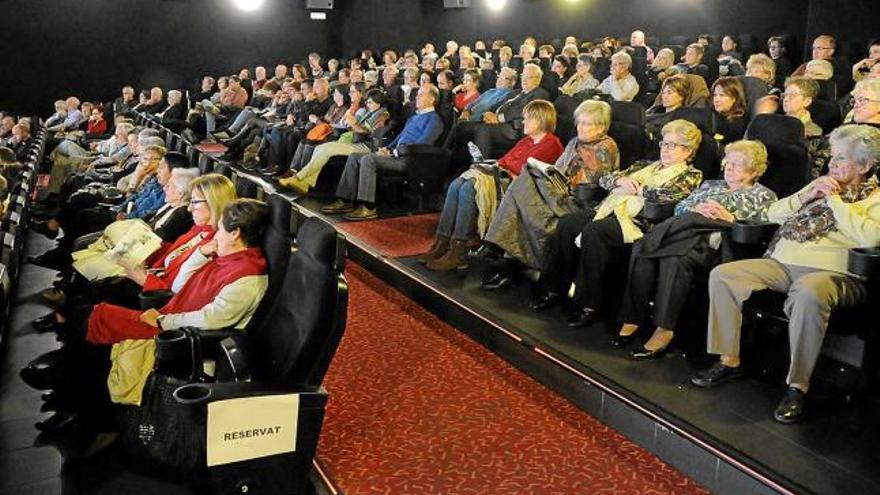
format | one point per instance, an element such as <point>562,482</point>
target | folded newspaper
<point>123,243</point>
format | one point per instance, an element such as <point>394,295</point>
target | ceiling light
<point>248,5</point>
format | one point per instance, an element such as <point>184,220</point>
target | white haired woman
<point>807,261</point>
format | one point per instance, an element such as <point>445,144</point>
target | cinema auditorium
<point>329,247</point>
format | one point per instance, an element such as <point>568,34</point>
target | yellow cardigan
<point>858,225</point>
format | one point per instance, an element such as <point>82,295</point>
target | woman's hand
<point>714,210</point>
<point>136,273</point>
<point>151,317</point>
<point>820,188</point>
<point>209,248</point>
<point>627,185</point>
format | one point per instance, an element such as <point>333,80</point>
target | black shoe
<point>623,340</point>
<point>791,409</point>
<point>487,251</point>
<point>46,323</point>
<point>59,421</point>
<point>717,374</point>
<point>49,259</point>
<point>273,170</point>
<point>45,372</point>
<point>548,300</point>
<point>497,281</point>
<point>643,354</point>
<point>581,317</point>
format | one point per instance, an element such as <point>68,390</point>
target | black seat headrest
<point>628,111</point>
<point>776,128</point>
<point>317,239</point>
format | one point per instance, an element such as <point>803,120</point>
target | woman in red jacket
<point>209,194</point>
<point>472,197</point>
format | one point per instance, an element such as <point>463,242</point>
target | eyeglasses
<point>791,94</point>
<point>671,145</point>
<point>862,100</point>
<point>815,47</point>
<point>198,201</point>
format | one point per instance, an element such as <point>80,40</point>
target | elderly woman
<point>866,102</point>
<point>583,79</point>
<point>375,117</point>
<point>585,244</point>
<point>472,197</point>
<point>799,94</point>
<point>762,67</point>
<point>621,84</point>
<point>208,196</point>
<point>534,202</point>
<point>323,127</point>
<point>820,70</point>
<point>663,263</point>
<point>807,260</point>
<point>730,109</point>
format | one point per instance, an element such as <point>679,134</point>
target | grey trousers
<point>812,294</point>
<point>359,177</point>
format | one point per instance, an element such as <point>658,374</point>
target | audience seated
<point>692,62</point>
<point>664,262</point>
<point>582,80</point>
<point>534,201</point>
<point>621,84</point>
<point>356,192</point>
<point>473,197</point>
<point>586,243</point>
<point>807,260</point>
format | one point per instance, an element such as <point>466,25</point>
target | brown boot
<point>454,259</point>
<point>438,249</point>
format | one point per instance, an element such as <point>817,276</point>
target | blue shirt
<point>488,101</point>
<point>421,128</point>
<point>150,198</point>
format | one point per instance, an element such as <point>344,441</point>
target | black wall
<point>410,23</point>
<point>93,48</point>
<point>852,22</point>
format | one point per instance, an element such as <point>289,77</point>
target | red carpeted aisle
<point>417,407</point>
<point>396,237</point>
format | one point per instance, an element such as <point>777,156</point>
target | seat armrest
<point>204,393</point>
<point>864,262</point>
<point>752,232</point>
<point>656,212</point>
<point>408,150</point>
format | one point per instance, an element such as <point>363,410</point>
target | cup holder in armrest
<point>173,345</point>
<point>656,212</point>
<point>154,299</point>
<point>864,262</point>
<point>752,232</point>
<point>192,393</point>
<point>589,194</point>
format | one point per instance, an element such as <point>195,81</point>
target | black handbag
<point>164,437</point>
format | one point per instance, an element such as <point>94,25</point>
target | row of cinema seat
<point>286,349</point>
<point>13,228</point>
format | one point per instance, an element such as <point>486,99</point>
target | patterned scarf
<point>815,219</point>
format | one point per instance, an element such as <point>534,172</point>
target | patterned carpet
<point>212,148</point>
<point>396,237</point>
<point>417,407</point>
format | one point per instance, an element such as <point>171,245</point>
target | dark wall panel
<point>853,23</point>
<point>93,48</point>
<point>372,22</point>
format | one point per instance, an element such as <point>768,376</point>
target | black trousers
<point>562,256</point>
<point>602,248</point>
<point>666,281</point>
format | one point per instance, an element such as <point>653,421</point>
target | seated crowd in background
<point>563,213</point>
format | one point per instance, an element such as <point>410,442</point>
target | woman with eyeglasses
<point>583,79</point>
<point>586,245</point>
<point>209,194</point>
<point>663,263</point>
<point>796,100</point>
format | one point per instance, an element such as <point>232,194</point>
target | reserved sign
<point>248,428</point>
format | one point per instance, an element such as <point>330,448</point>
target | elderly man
<point>126,102</point>
<point>620,84</point>
<point>155,104</point>
<point>20,141</point>
<point>637,38</point>
<point>692,61</point>
<point>807,261</point>
<point>358,182</point>
<point>503,127</point>
<point>825,48</point>
<point>491,99</point>
<point>73,119</point>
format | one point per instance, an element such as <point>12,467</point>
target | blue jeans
<point>459,217</point>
